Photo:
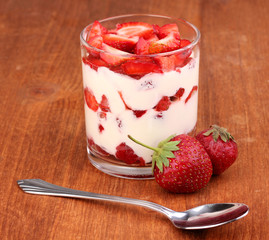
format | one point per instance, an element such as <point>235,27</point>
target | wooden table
<point>42,133</point>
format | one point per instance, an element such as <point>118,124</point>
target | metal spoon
<point>205,216</point>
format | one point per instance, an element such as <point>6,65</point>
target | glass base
<point>138,173</point>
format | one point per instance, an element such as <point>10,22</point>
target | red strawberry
<point>167,63</point>
<point>113,56</point>
<point>184,43</point>
<point>97,30</point>
<point>220,146</point>
<point>180,164</point>
<point>142,46</point>
<point>90,99</point>
<point>96,148</point>
<point>127,155</point>
<point>169,43</point>
<point>163,104</point>
<point>94,63</point>
<point>182,57</point>
<point>132,29</point>
<point>95,42</point>
<point>178,94</point>
<point>140,67</point>
<point>194,89</point>
<point>104,105</point>
<point>139,113</point>
<point>166,29</point>
<point>101,128</point>
<point>120,42</point>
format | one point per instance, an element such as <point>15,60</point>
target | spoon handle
<point>41,187</point>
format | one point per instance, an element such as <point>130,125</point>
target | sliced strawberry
<point>126,106</point>
<point>194,89</point>
<point>90,99</point>
<point>101,128</point>
<point>184,55</point>
<point>104,105</point>
<point>131,29</point>
<point>179,93</point>
<point>113,56</point>
<point>95,42</point>
<point>140,67</point>
<point>120,42</point>
<point>139,113</point>
<point>156,29</point>
<point>142,47</point>
<point>167,63</point>
<point>153,38</point>
<point>94,63</point>
<point>169,43</point>
<point>163,104</point>
<point>96,148</point>
<point>127,155</point>
<point>97,30</point>
<point>167,29</point>
<point>184,43</point>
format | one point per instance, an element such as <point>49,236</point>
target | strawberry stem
<point>144,145</point>
<point>162,152</point>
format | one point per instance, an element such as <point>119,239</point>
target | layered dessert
<point>139,79</point>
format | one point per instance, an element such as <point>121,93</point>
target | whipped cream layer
<point>143,94</point>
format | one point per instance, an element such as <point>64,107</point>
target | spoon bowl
<point>205,216</point>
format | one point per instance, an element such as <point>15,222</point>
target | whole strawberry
<point>220,146</point>
<point>180,164</point>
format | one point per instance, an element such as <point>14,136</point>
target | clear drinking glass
<point>150,106</point>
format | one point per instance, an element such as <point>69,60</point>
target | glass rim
<point>190,46</point>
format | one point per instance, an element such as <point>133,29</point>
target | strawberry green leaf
<point>209,132</point>
<point>162,152</point>
<point>217,132</point>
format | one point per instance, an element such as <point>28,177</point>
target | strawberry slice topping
<point>142,46</point>
<point>167,29</point>
<point>94,63</point>
<point>90,99</point>
<point>117,46</point>
<point>113,56</point>
<point>131,29</point>
<point>96,42</point>
<point>169,43</point>
<point>184,43</point>
<point>140,67</point>
<point>97,29</point>
<point>120,42</point>
<point>167,63</point>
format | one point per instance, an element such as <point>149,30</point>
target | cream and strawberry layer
<point>132,107</point>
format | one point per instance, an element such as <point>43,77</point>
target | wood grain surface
<point>42,132</point>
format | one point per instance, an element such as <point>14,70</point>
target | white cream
<point>142,94</point>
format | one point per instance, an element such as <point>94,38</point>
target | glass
<point>149,106</point>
